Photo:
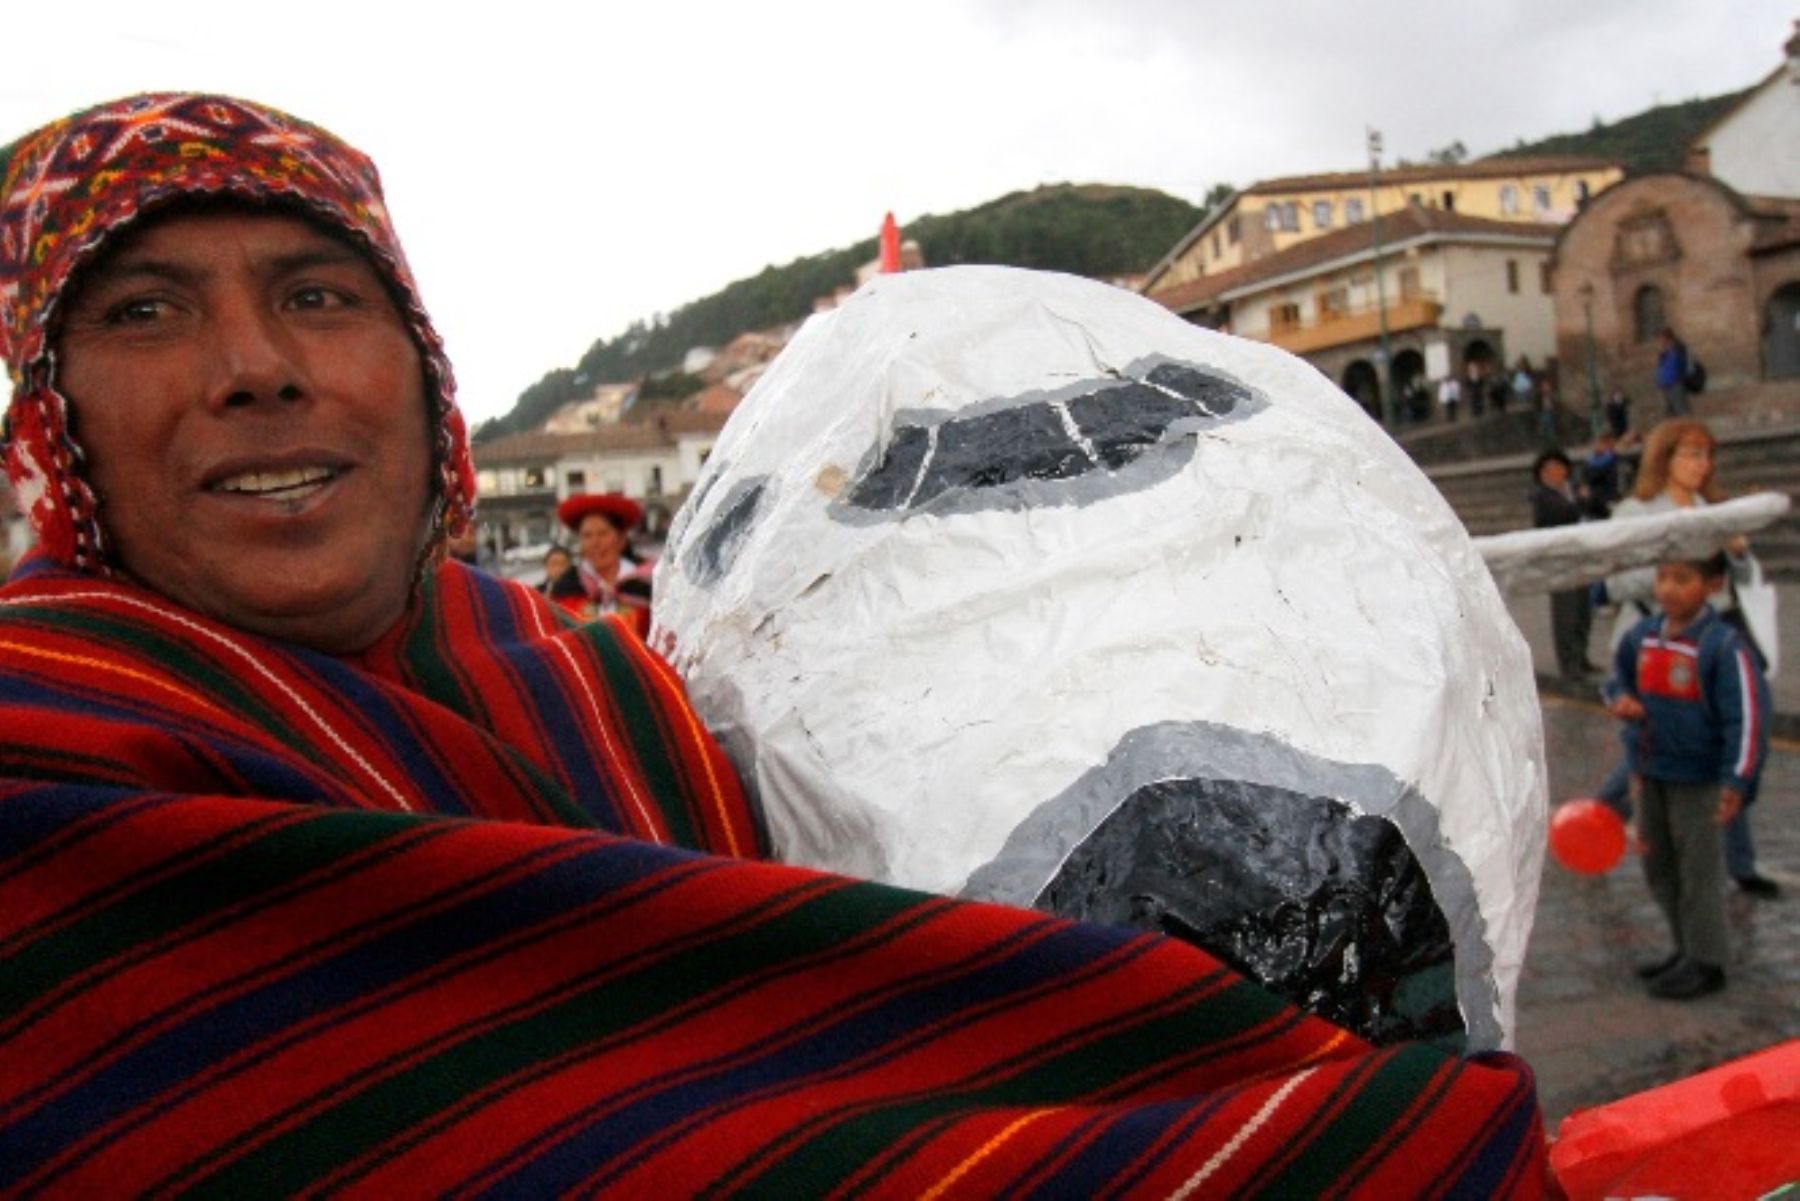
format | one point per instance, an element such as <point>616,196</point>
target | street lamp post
<point>1384,379</point>
<point>1593,369</point>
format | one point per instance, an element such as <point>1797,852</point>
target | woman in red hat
<point>607,576</point>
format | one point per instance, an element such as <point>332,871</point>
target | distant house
<point>522,478</point>
<point>751,350</point>
<point>604,406</point>
<point>1713,254</point>
<point>1453,290</point>
<point>1463,252</point>
<point>1277,214</point>
<point>717,398</point>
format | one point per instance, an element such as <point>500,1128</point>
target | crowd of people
<point>1687,676</point>
<point>1483,386</point>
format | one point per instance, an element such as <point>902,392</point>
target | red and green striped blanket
<point>480,914</point>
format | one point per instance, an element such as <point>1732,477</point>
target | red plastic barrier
<point>1732,1132</point>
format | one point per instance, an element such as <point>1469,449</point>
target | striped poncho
<point>478,913</point>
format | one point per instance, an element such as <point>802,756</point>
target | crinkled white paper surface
<point>906,686</point>
<point>1566,556</point>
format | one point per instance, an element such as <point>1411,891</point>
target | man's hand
<point>1627,706</point>
<point>1730,801</point>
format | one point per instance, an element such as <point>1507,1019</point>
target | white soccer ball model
<point>1015,586</point>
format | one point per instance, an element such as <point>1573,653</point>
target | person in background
<point>464,546</point>
<point>1697,708</point>
<point>557,562</point>
<point>1672,373</point>
<point>1601,478</point>
<point>1546,402</point>
<point>1524,384</point>
<point>1677,471</point>
<point>1554,502</point>
<point>1473,394</point>
<point>1618,412</point>
<point>608,577</point>
<point>1449,396</point>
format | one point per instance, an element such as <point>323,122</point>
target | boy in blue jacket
<point>1692,689</point>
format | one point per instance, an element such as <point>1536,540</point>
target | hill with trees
<point>1653,140</point>
<point>1085,229</point>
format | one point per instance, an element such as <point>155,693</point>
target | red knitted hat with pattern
<point>71,187</point>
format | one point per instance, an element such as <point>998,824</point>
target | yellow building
<point>1446,294</point>
<point>1276,214</point>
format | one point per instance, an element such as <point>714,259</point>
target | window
<point>1647,239</point>
<point>1233,232</point>
<point>1512,276</point>
<point>654,487</point>
<point>577,481</point>
<point>534,477</point>
<point>486,482</point>
<point>1509,200</point>
<point>1409,283</point>
<point>1334,303</point>
<point>1450,202</point>
<point>1284,218</point>
<point>1215,244</point>
<point>1284,317</point>
<point>1647,314</point>
<point>1353,211</point>
<point>1540,199</point>
<point>1321,214</point>
<point>1544,277</point>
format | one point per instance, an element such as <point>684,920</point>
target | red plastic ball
<point>1587,836</point>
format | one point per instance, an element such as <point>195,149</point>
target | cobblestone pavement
<point>1585,1023</point>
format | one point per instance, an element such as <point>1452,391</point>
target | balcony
<point>1344,326</point>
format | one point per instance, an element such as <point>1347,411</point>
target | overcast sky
<point>559,170</point>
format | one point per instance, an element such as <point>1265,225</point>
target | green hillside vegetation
<point>1653,140</point>
<point>1093,230</point>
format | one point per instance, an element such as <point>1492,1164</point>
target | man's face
<point>1554,473</point>
<point>1681,590</point>
<point>601,542</point>
<point>253,409</point>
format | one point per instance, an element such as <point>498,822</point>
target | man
<point>1672,373</point>
<point>1449,395</point>
<point>1554,502</point>
<point>329,863</point>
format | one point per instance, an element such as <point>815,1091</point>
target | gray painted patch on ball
<point>1040,847</point>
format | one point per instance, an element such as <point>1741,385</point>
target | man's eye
<point>137,311</point>
<point>316,297</point>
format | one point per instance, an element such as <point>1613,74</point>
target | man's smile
<point>287,484</point>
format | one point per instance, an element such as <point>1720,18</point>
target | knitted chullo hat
<point>71,187</point>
